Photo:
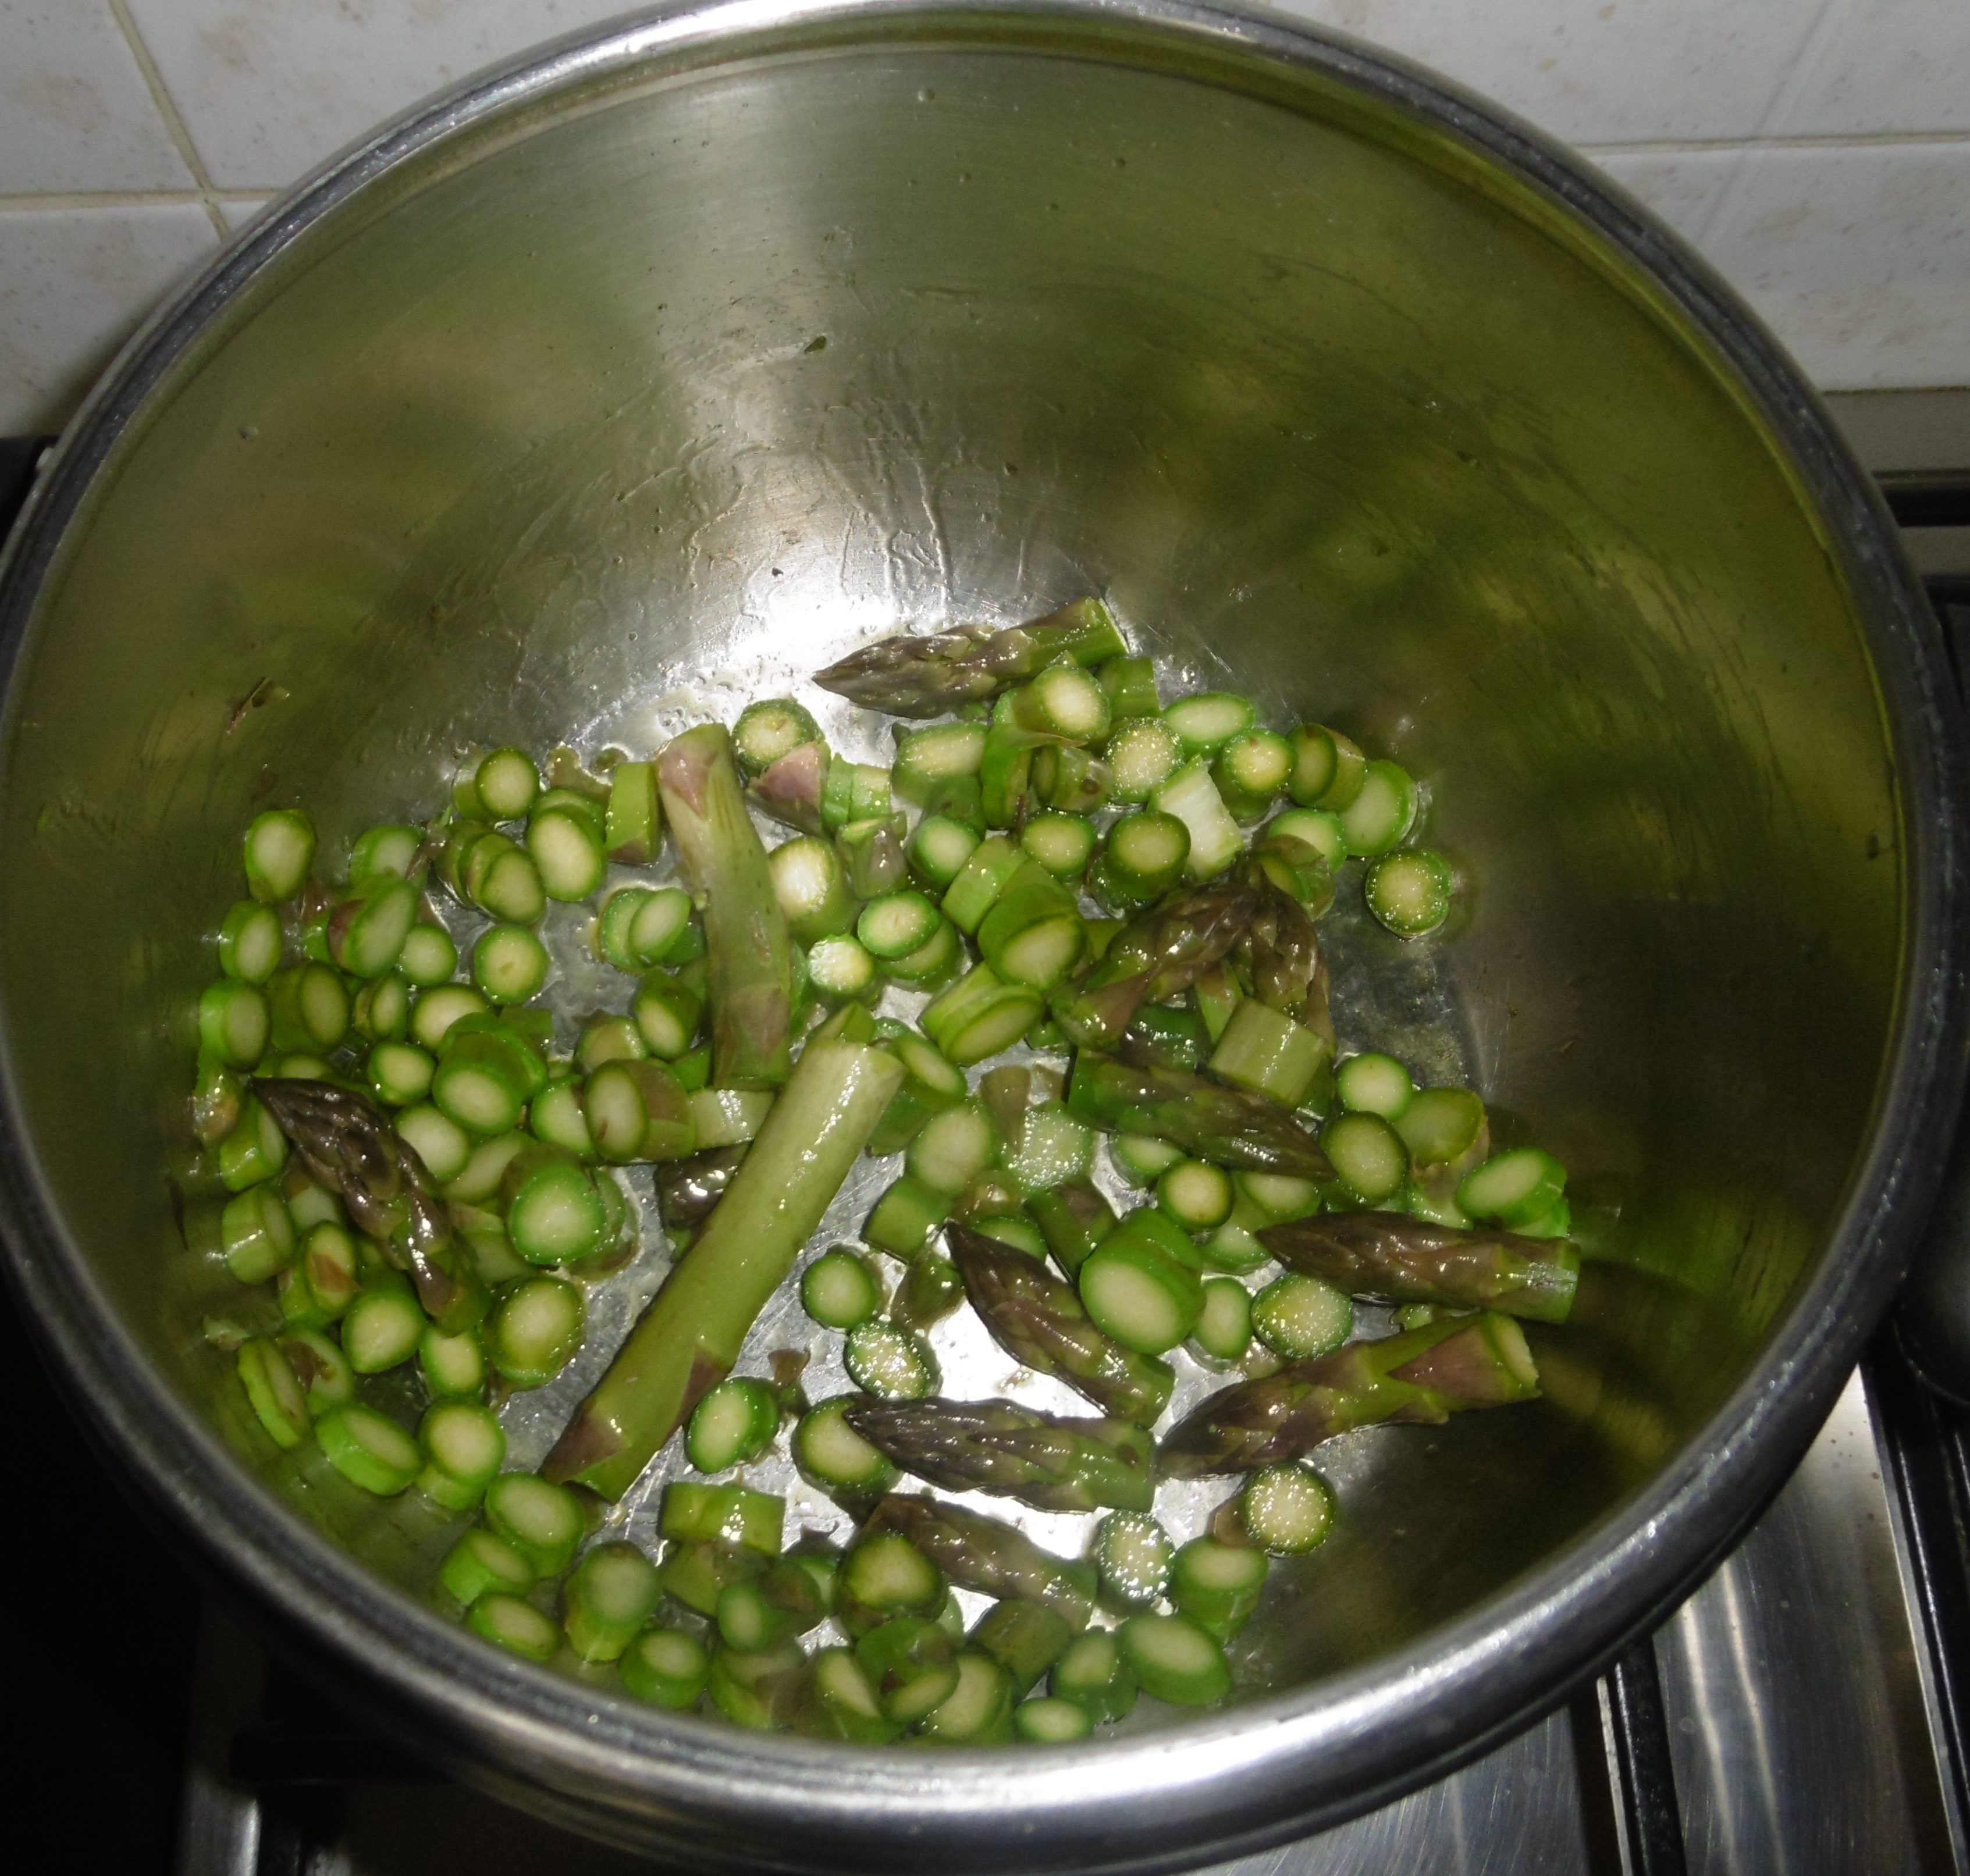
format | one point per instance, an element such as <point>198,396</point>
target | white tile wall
<point>268,88</point>
<point>74,113</point>
<point>72,282</point>
<point>1817,151</point>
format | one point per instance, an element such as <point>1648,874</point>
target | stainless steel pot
<point>695,349</point>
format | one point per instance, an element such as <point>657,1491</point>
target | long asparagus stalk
<point>352,1148</point>
<point>929,675</point>
<point>1039,1320</point>
<point>1388,1258</point>
<point>1054,1462</point>
<point>691,1334</point>
<point>745,931</point>
<point>1157,955</point>
<point>976,1552</point>
<point>1228,1126</point>
<point>1425,1375</point>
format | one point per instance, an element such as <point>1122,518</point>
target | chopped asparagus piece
<point>768,730</point>
<point>542,1521</point>
<point>745,936</point>
<point>1287,1509</point>
<point>1042,1323</point>
<point>666,1666</point>
<point>727,1514</point>
<point>1229,1126</point>
<point>839,1290</point>
<point>890,1361</point>
<point>1422,1375</point>
<point>369,1449</point>
<point>1175,1660</point>
<point>1382,811</point>
<point>1055,1463</point>
<point>922,677</point>
<point>278,851</point>
<point>1410,892</point>
<point>535,1330</point>
<point>1384,1257</point>
<point>1095,1675</point>
<point>691,1335</point>
<point>979,1552</point>
<point>1223,1329</point>
<point>613,1593</point>
<point>1299,1317</point>
<point>1374,1084</point>
<point>732,1425</point>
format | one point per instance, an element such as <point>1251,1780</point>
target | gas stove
<point>1806,1711</point>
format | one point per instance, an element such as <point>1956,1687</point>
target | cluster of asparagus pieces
<point>452,1188</point>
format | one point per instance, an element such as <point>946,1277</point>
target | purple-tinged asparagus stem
<point>746,944</point>
<point>1230,1127</point>
<point>1158,955</point>
<point>1280,949</point>
<point>976,1552</point>
<point>1054,1462</point>
<point>689,1190</point>
<point>1387,1258</point>
<point>789,791</point>
<point>911,675</point>
<point>352,1149</point>
<point>1425,1375</point>
<point>1038,1321</point>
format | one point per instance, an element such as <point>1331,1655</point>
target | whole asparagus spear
<point>1425,1375</point>
<point>1228,1126</point>
<point>1158,955</point>
<point>929,675</point>
<point>746,944</point>
<point>976,1552</point>
<point>1038,1320</point>
<point>1388,1258</point>
<point>691,1334</point>
<point>352,1148</point>
<point>1054,1462</point>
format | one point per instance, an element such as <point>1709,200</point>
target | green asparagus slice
<point>1157,955</point>
<point>1039,1321</point>
<point>691,1334</point>
<point>1423,1375</point>
<point>930,675</point>
<point>1230,1127</point>
<point>746,932</point>
<point>979,1552</point>
<point>1387,1257</point>
<point>1050,1461</point>
<point>351,1150</point>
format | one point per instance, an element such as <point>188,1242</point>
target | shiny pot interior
<point>608,393</point>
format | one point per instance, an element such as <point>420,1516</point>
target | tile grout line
<point>125,199</point>
<point>180,133</point>
<point>1845,140</point>
<point>1805,62</point>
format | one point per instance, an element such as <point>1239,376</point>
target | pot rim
<point>1254,1774</point>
